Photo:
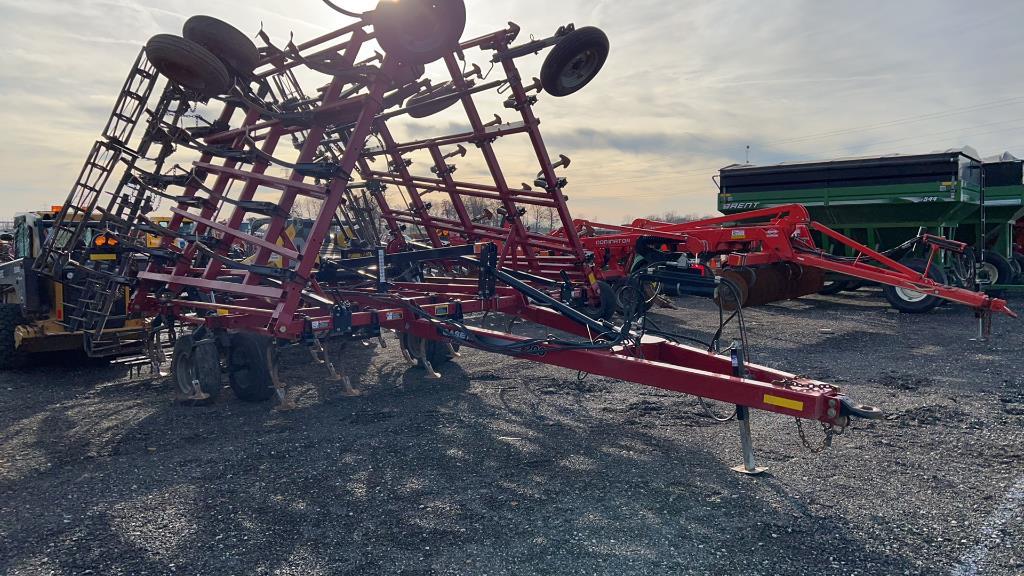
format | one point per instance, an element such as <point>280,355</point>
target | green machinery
<point>886,202</point>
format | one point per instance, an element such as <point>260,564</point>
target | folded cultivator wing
<point>237,137</point>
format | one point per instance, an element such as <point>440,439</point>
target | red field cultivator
<point>770,255</point>
<point>260,144</point>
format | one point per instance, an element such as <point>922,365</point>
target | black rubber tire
<point>1019,259</point>
<point>574,61</point>
<point>926,304</point>
<point>252,367</point>
<point>419,31</point>
<point>440,99</point>
<point>606,309</point>
<point>188,64</point>
<point>10,318</point>
<point>196,361</point>
<point>833,287</point>
<point>224,41</point>
<point>437,352</point>
<point>1000,267</point>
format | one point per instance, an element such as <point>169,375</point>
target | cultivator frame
<point>777,242</point>
<point>246,310</point>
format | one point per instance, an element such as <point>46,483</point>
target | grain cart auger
<point>265,143</point>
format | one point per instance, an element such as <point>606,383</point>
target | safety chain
<point>831,431</point>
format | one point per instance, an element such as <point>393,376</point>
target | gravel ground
<point>507,467</point>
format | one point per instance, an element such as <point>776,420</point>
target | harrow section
<point>231,293</point>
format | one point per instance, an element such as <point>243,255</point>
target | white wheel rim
<point>910,296</point>
<point>988,273</point>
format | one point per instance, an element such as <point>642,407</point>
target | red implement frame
<point>777,235</point>
<point>195,280</point>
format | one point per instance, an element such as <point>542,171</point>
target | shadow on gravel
<point>417,476</point>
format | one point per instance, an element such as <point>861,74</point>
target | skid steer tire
<point>252,367</point>
<point>224,41</point>
<point>188,64</point>
<point>10,357</point>
<point>574,61</point>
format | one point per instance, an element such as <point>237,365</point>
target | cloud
<point>687,88</point>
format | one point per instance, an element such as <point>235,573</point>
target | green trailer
<point>1004,210</point>
<point>884,202</point>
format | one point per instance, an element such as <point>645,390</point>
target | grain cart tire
<point>1019,259</point>
<point>196,364</point>
<point>224,41</point>
<point>574,61</point>
<point>188,64</point>
<point>440,99</point>
<point>252,367</point>
<point>912,302</point>
<point>419,31</point>
<point>995,269</point>
<point>438,353</point>
<point>10,318</point>
<point>605,310</point>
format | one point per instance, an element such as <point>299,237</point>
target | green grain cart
<point>886,202</point>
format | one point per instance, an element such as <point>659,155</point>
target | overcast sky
<point>688,86</point>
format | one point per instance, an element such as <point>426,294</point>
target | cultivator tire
<point>605,309</point>
<point>911,302</point>
<point>195,368</point>
<point>224,41</point>
<point>252,367</point>
<point>419,31</point>
<point>438,353</point>
<point>188,64</point>
<point>10,318</point>
<point>574,61</point>
<point>995,269</point>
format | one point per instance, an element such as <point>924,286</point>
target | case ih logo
<point>740,206</point>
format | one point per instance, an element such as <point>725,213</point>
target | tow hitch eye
<point>850,409</point>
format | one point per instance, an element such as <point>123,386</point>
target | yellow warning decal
<point>103,257</point>
<point>592,278</point>
<point>784,402</point>
<point>223,312</point>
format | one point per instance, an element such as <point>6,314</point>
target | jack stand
<point>984,326</point>
<point>749,466</point>
<point>451,350</point>
<point>739,369</point>
<point>431,373</point>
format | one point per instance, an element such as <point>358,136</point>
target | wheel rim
<point>579,70</point>
<point>988,273</point>
<point>910,295</point>
<point>185,375</point>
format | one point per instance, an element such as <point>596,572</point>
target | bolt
<point>282,329</point>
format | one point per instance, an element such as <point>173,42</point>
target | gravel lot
<point>506,467</point>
